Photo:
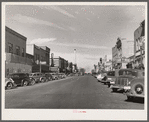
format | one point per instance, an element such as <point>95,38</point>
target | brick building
<point>41,57</point>
<point>59,64</point>
<point>15,53</point>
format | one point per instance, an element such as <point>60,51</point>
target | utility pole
<point>75,60</point>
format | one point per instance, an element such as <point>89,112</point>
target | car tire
<point>33,82</point>
<point>42,80</point>
<point>9,86</point>
<point>114,89</point>
<point>138,88</point>
<point>47,79</point>
<point>25,83</point>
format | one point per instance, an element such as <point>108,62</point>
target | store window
<point>17,50</point>
<point>10,48</point>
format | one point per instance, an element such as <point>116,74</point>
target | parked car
<point>135,89</point>
<point>63,75</point>
<point>38,77</point>
<point>125,77</point>
<point>20,79</point>
<point>55,76</point>
<point>108,77</point>
<point>48,76</point>
<point>101,76</point>
<point>9,83</point>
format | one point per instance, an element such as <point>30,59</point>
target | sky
<point>90,29</point>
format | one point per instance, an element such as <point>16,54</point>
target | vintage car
<point>108,77</point>
<point>48,76</point>
<point>55,76</point>
<point>125,77</point>
<point>101,76</point>
<point>20,79</point>
<point>135,89</point>
<point>63,75</point>
<point>38,77</point>
<point>9,83</point>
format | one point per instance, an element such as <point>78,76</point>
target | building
<point>58,64</point>
<point>114,57</point>
<point>139,45</point>
<point>108,65</point>
<point>41,56</point>
<point>15,53</point>
<point>120,53</point>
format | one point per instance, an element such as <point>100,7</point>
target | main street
<point>76,92</point>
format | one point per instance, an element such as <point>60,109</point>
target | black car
<point>20,79</point>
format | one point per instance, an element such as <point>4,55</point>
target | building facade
<point>120,53</point>
<point>58,64</point>
<point>139,45</point>
<point>15,53</point>
<point>41,57</point>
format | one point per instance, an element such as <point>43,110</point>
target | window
<point>10,48</point>
<point>17,50</point>
<point>22,52</point>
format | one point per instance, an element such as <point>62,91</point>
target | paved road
<point>77,92</point>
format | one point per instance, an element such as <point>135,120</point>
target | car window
<point>37,74</point>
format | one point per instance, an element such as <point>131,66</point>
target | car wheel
<point>42,80</point>
<point>33,82</point>
<point>25,83</point>
<point>138,88</point>
<point>114,89</point>
<point>9,86</point>
<point>47,79</point>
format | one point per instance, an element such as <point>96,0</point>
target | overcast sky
<point>90,29</point>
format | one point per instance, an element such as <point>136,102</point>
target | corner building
<point>15,53</point>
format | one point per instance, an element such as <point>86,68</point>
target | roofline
<point>15,33</point>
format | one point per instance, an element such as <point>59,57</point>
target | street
<point>76,92</point>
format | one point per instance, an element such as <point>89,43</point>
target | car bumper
<point>130,94</point>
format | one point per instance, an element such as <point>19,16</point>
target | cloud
<point>72,28</point>
<point>43,40</point>
<point>25,19</point>
<point>80,45</point>
<point>56,8</point>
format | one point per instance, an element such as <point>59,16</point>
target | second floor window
<point>17,50</point>
<point>10,48</point>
